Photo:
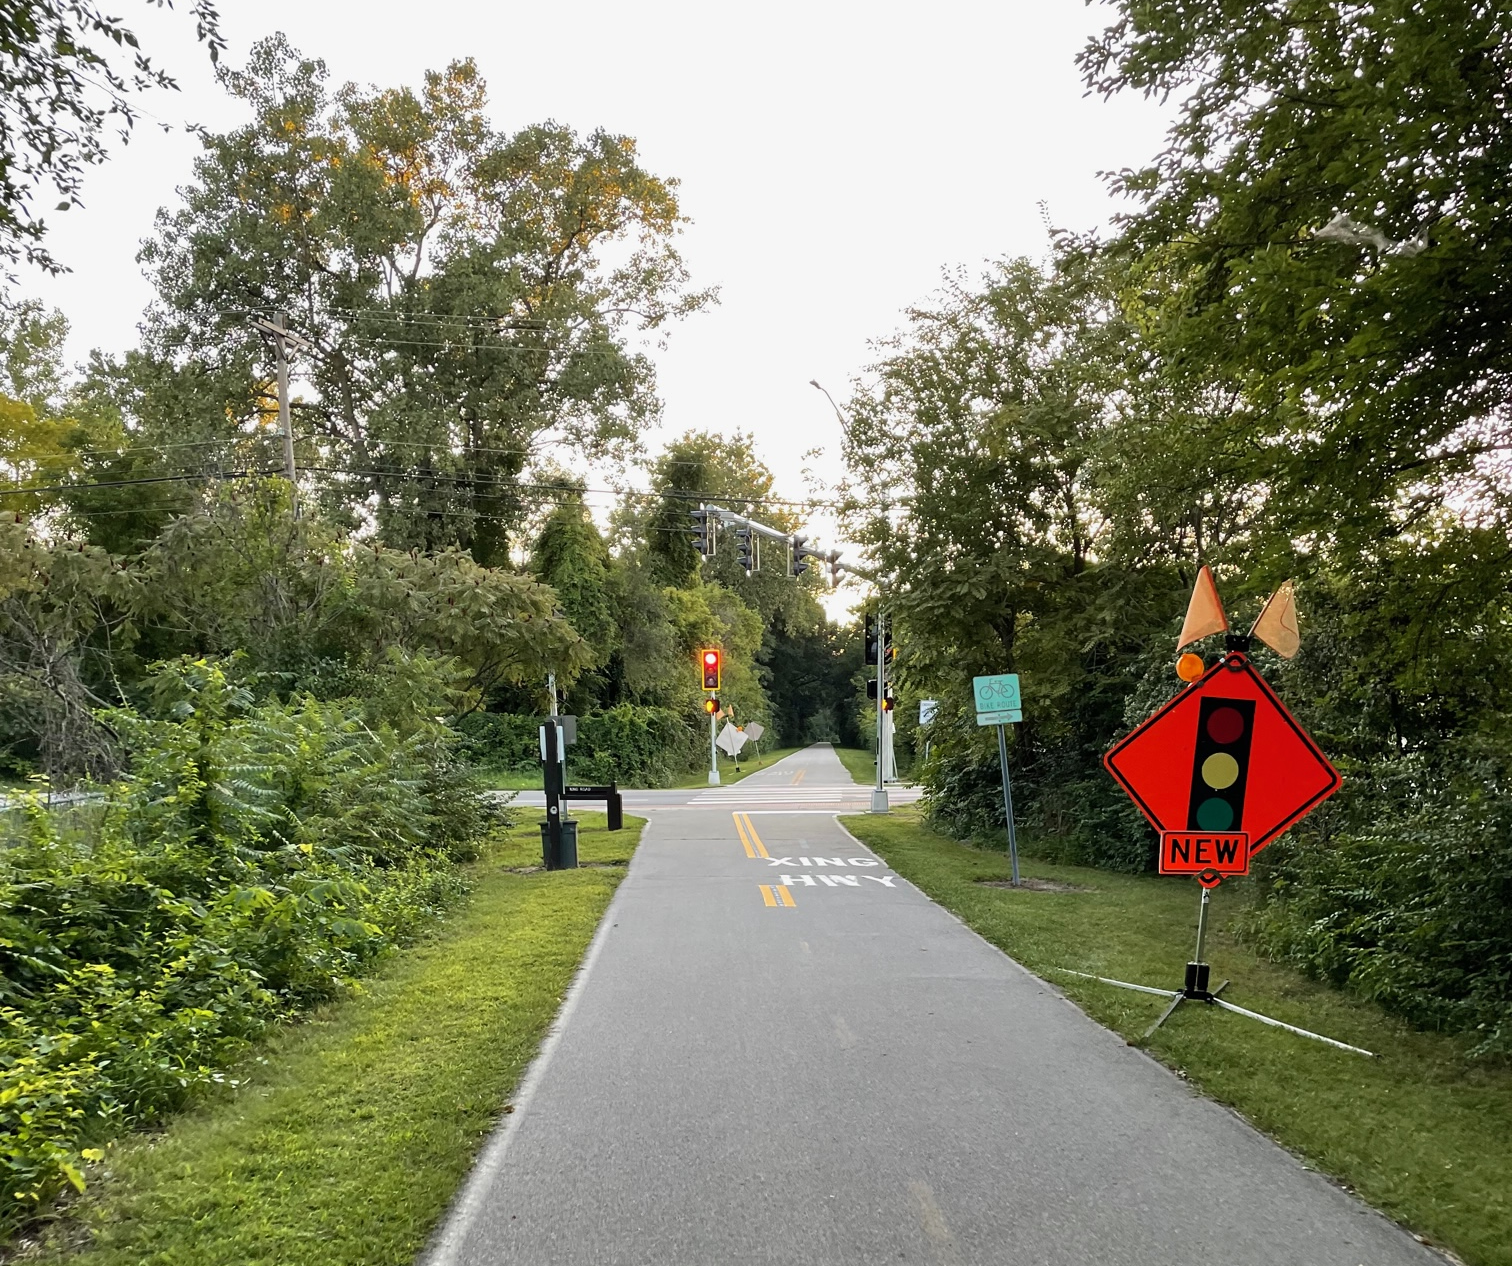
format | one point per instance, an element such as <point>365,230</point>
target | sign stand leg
<point>1008,803</point>
<point>1196,988</point>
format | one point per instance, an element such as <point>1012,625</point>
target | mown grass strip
<point>748,766</point>
<point>356,1127</point>
<point>1420,1133</point>
<point>859,763</point>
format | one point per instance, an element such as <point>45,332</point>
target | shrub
<point>257,857</point>
<point>635,746</point>
<point>1402,891</point>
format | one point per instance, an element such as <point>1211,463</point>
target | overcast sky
<point>834,158</point>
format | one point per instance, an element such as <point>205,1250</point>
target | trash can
<point>567,860</point>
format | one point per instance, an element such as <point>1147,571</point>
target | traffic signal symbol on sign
<point>710,660</point>
<point>1220,765</point>
<point>1224,758</point>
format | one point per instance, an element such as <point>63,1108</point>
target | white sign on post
<point>927,710</point>
<point>730,740</point>
<point>754,731</point>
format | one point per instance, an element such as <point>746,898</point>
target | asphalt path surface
<point>778,1051</point>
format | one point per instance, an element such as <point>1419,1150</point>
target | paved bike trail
<point>781,1052</point>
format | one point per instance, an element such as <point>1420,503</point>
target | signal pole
<point>879,792</point>
<point>283,340</point>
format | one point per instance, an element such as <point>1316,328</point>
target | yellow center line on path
<point>748,837</point>
<point>798,777</point>
<point>777,895</point>
<point>785,895</point>
<point>744,838</point>
<point>767,895</point>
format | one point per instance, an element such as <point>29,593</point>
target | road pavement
<point>779,1051</point>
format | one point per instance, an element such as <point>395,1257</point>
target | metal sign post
<point>999,702</point>
<point>713,752</point>
<point>1008,802</point>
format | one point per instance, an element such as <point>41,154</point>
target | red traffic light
<point>711,664</point>
<point>711,705</point>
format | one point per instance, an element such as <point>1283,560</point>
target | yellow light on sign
<point>1190,667</point>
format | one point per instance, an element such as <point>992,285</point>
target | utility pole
<point>879,792</point>
<point>283,340</point>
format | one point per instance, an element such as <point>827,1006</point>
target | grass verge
<point>859,763</point>
<point>748,766</point>
<point>511,779</point>
<point>352,1130</point>
<point>1420,1132</point>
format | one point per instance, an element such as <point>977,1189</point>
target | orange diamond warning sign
<point>1221,771</point>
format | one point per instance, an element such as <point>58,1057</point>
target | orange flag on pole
<point>1204,612</point>
<point>1277,623</point>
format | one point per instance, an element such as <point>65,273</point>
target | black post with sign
<point>558,832</point>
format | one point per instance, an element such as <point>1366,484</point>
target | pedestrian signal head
<point>710,663</point>
<point>1190,667</point>
<point>711,706</point>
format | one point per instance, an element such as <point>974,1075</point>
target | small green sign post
<point>999,703</point>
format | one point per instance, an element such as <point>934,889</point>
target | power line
<point>411,475</point>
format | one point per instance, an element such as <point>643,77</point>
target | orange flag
<point>1204,612</point>
<point>1277,625</point>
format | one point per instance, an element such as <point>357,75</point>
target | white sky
<point>834,157</point>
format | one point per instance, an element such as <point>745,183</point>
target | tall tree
<point>468,295</point>
<point>67,70</point>
<point>1328,230</point>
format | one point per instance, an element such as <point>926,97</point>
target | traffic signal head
<point>889,702</point>
<point>703,531</point>
<point>711,705</point>
<point>799,554</point>
<point>745,550</point>
<point>710,663</point>
<point>1220,767</point>
<point>871,645</point>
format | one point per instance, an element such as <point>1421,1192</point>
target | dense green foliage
<point>1288,363</point>
<point>256,857</point>
<point>634,746</point>
<point>347,1141</point>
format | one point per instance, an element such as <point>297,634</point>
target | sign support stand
<point>1008,813</point>
<point>713,752</point>
<point>1196,990</point>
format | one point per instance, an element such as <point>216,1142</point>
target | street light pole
<point>879,792</point>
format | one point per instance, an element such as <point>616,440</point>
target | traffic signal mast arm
<point>747,529</point>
